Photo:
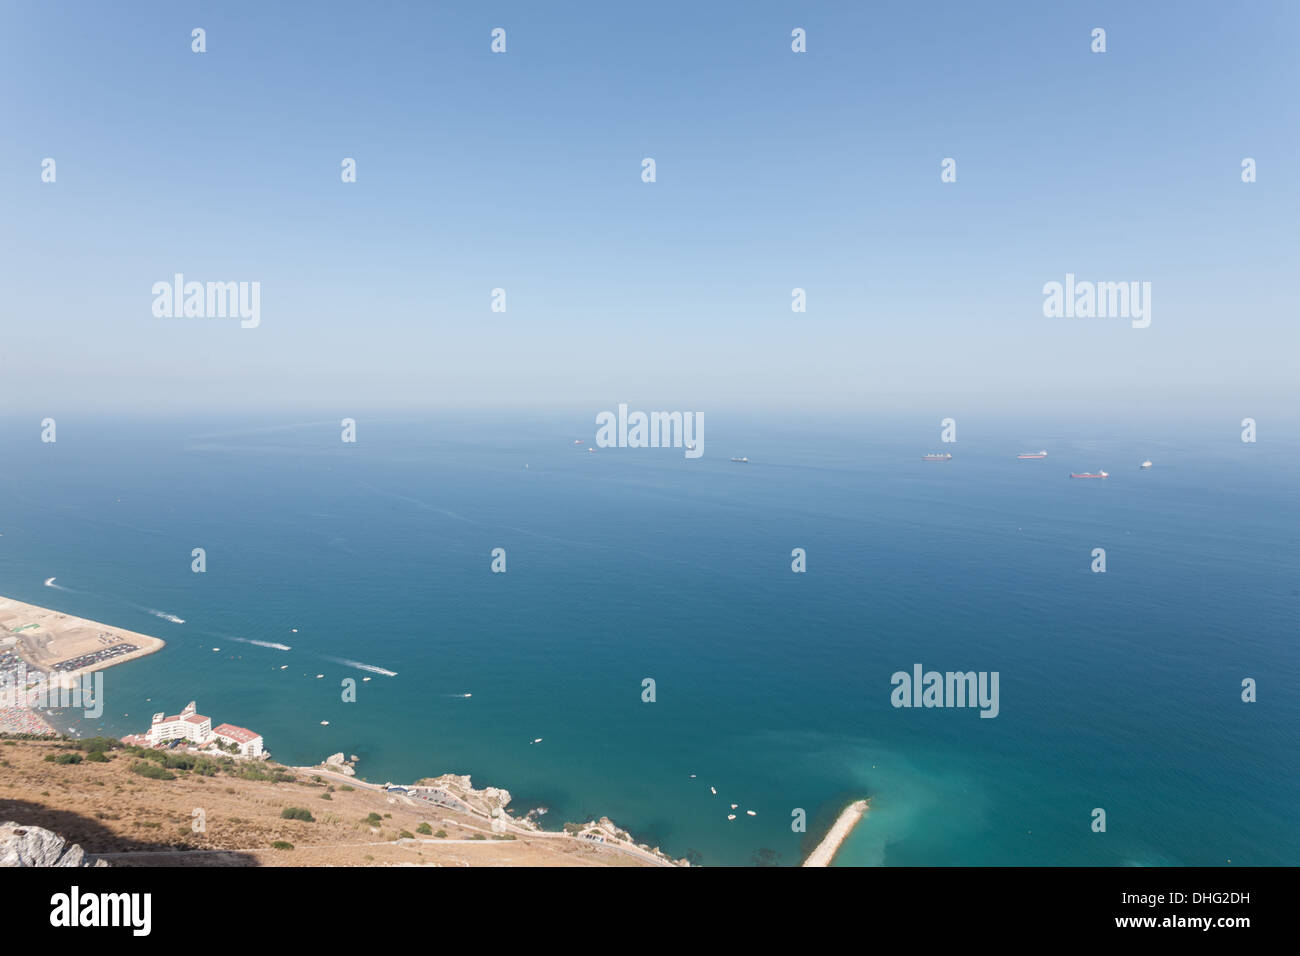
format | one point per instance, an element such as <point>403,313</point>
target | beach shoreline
<point>849,818</point>
<point>46,639</point>
<point>45,649</point>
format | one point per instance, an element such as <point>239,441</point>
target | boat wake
<point>49,583</point>
<point>362,667</point>
<point>162,614</point>
<point>271,644</point>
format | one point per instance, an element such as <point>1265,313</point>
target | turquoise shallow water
<point>1119,691</point>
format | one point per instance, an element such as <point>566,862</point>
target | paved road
<point>611,843</point>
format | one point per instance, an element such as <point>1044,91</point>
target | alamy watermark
<point>951,689</point>
<point>1098,300</point>
<point>210,300</point>
<point>655,430</point>
<point>64,692</point>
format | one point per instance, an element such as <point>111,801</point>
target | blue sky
<point>775,170</point>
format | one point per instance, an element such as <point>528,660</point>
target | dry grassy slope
<point>136,821</point>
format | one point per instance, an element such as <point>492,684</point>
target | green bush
<point>297,813</point>
<point>406,835</point>
<point>374,820</point>
<point>63,758</point>
<point>152,771</point>
<point>96,756</point>
<point>441,834</point>
<point>281,845</point>
<point>424,829</point>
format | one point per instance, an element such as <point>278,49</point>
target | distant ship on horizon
<point>1145,464</point>
<point>936,457</point>
<point>743,461</point>
<point>1089,474</point>
<point>1033,454</point>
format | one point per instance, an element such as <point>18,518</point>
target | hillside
<point>93,793</point>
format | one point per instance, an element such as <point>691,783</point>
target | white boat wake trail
<point>271,644</point>
<point>164,615</point>
<point>362,667</point>
<point>49,583</point>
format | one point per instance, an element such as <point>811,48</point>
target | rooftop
<point>238,734</point>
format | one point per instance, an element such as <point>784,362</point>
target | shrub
<point>152,771</point>
<point>96,756</point>
<point>326,796</point>
<point>281,845</point>
<point>441,834</point>
<point>297,813</point>
<point>345,788</point>
<point>99,744</point>
<point>406,835</point>
<point>373,820</point>
<point>424,829</point>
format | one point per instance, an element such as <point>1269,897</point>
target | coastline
<point>456,792</point>
<point>42,641</point>
<point>45,638</point>
<point>839,832</point>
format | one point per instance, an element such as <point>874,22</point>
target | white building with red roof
<point>248,742</point>
<point>189,724</point>
<point>192,726</point>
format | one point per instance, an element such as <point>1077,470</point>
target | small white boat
<point>751,813</point>
<point>713,790</point>
<point>734,805</point>
<point>731,816</point>
<point>319,676</point>
<point>538,740</point>
<point>324,723</point>
<point>692,776</point>
<point>284,667</point>
<point>1145,464</point>
<point>216,650</point>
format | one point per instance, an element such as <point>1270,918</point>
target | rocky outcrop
<point>490,801</point>
<point>32,846</point>
<point>338,764</point>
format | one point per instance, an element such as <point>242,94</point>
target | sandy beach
<point>838,833</point>
<point>41,641</point>
<point>65,645</point>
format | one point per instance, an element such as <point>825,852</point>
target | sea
<point>649,640</point>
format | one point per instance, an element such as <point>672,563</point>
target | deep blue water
<point>1118,690</point>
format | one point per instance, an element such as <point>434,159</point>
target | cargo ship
<point>1033,454</point>
<point>935,457</point>
<point>1089,474</point>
